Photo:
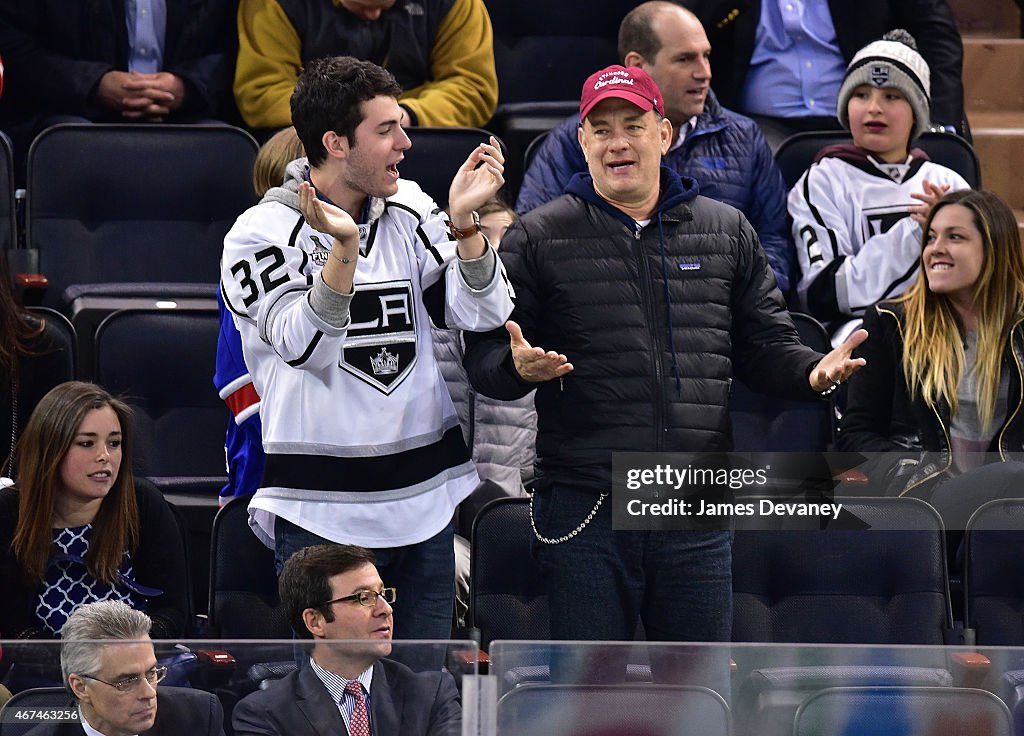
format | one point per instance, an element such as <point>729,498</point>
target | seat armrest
<point>970,669</point>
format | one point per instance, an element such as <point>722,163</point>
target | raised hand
<point>326,218</point>
<point>478,179</point>
<point>839,364</point>
<point>932,193</point>
<point>534,364</point>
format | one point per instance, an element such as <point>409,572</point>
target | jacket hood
<point>862,159</point>
<point>295,173</point>
<point>674,190</point>
<point>856,155</point>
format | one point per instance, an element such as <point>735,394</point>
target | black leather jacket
<point>655,320</point>
<point>881,416</point>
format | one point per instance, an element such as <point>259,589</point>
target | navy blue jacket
<point>727,155</point>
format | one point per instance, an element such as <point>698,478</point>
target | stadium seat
<point>765,424</point>
<point>507,595</point>
<point>54,364</point>
<point>902,711</point>
<point>134,203</point>
<point>62,335</point>
<point>994,595</point>
<point>589,710</point>
<point>994,600</point>
<point>161,361</point>
<point>8,221</point>
<point>243,583</point>
<point>533,148</point>
<point>520,124</point>
<point>797,153</point>
<point>876,576</point>
<point>543,52</point>
<point>90,304</point>
<point>436,154</point>
<point>37,697</point>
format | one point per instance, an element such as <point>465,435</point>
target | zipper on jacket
<point>652,328</point>
<point>1020,398</point>
<point>949,456</point>
<point>949,450</point>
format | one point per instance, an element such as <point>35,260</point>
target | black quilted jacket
<point>655,321</point>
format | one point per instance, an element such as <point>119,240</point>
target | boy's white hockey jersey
<point>362,440</point>
<point>856,242</point>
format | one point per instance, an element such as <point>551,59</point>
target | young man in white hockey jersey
<point>332,280</point>
<point>857,211</point>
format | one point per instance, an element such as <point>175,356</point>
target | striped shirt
<point>335,685</point>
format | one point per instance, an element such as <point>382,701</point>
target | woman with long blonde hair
<point>942,387</point>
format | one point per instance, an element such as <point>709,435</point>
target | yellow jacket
<point>440,51</point>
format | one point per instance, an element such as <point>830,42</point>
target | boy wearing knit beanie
<point>857,211</point>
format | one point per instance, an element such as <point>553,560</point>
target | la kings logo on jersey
<point>879,220</point>
<point>380,347</point>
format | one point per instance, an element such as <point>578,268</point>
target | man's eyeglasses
<point>127,684</point>
<point>366,598</point>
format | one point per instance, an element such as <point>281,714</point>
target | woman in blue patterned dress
<point>76,528</point>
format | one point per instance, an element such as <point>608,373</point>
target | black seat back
<point>135,203</point>
<point>244,602</point>
<point>161,362</point>
<point>876,576</point>
<point>765,424</point>
<point>798,152</point>
<point>508,599</point>
<point>8,220</point>
<point>436,155</point>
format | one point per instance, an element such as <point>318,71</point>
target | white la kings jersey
<point>363,443</point>
<point>856,242</point>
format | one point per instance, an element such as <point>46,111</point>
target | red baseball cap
<point>632,84</point>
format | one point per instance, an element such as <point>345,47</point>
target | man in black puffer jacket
<point>657,296</point>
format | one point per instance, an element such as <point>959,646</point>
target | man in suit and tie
<point>333,592</point>
<point>115,683</point>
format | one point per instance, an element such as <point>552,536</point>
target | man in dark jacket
<point>726,153</point>
<point>783,63</point>
<point>331,593</point>
<point>109,61</point>
<point>656,295</point>
<point>114,684</point>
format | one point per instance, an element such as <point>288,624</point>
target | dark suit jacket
<point>180,711</point>
<point>731,25</point>
<point>55,53</point>
<point>402,703</point>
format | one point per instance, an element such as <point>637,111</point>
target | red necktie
<point>359,724</point>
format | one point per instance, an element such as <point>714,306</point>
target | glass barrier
<point>528,687</point>
<point>285,687</point>
<point>605,689</point>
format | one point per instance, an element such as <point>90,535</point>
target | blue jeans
<point>422,573</point>
<point>600,582</point>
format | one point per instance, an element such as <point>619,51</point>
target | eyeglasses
<point>366,598</point>
<point>127,684</point>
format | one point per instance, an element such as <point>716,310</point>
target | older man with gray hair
<point>109,666</point>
